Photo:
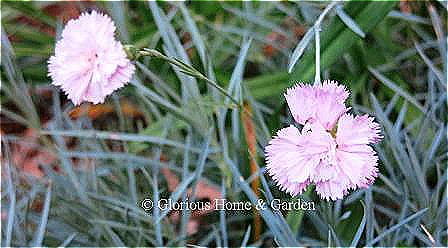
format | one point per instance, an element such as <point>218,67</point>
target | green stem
<point>295,217</point>
<point>187,69</point>
<point>317,30</point>
<point>184,68</point>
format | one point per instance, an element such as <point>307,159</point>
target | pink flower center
<point>92,58</point>
<point>330,156</point>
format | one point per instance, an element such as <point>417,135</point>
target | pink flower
<point>89,63</point>
<point>332,150</point>
<point>323,103</point>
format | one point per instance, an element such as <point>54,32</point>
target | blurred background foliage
<point>77,175</point>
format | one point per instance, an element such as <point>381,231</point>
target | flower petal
<point>359,130</point>
<point>323,103</point>
<point>330,98</point>
<point>332,189</point>
<point>283,156</point>
<point>292,156</point>
<point>302,102</point>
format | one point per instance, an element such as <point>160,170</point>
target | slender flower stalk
<point>317,37</point>
<point>187,69</point>
<point>134,54</point>
<point>317,30</point>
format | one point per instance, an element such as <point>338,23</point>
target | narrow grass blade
<point>400,118</point>
<point>435,144</point>
<point>32,11</point>
<point>117,202</point>
<point>246,237</point>
<point>197,39</point>
<point>119,13</point>
<point>44,219</point>
<point>132,185</point>
<point>428,62</point>
<point>177,194</point>
<point>391,104</point>
<point>238,71</point>
<point>222,217</point>
<point>421,237</point>
<point>360,228</point>
<point>68,240</point>
<point>12,199</point>
<point>120,136</point>
<point>300,48</point>
<point>163,102</point>
<point>438,28</point>
<point>137,161</point>
<point>408,17</point>
<point>331,233</point>
<point>156,210</point>
<point>68,167</point>
<point>370,214</point>
<point>201,162</point>
<point>397,89</point>
<point>393,228</point>
<point>160,84</point>
<point>174,49</point>
<point>254,18</point>
<point>115,238</point>
<point>389,184</point>
<point>185,172</point>
<point>349,21</point>
<point>208,238</point>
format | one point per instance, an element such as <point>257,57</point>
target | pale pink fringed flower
<point>333,148</point>
<point>89,63</point>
